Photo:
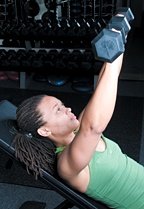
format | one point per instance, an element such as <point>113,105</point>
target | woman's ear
<point>43,131</point>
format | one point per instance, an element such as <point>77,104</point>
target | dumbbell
<point>27,60</point>
<point>10,58</point>
<point>39,58</point>
<point>109,43</point>
<point>126,11</point>
<point>121,21</point>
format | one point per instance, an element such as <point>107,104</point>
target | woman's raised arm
<point>95,118</point>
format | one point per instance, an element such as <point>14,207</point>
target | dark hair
<point>34,151</point>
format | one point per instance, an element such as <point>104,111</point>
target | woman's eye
<point>60,107</point>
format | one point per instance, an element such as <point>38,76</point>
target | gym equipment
<point>121,21</point>
<point>42,9</point>
<point>126,11</point>
<point>82,83</point>
<point>35,9</point>
<point>57,80</point>
<point>118,26</point>
<point>56,60</point>
<point>71,197</point>
<point>109,43</point>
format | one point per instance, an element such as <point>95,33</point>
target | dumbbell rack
<point>56,35</point>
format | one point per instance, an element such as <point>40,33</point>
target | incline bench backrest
<point>7,118</point>
<point>7,115</point>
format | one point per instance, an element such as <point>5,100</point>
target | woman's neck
<point>65,140</point>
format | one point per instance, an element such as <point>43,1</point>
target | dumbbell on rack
<point>109,43</point>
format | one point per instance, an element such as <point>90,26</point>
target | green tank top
<point>116,179</point>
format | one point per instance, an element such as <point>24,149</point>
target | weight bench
<point>72,197</point>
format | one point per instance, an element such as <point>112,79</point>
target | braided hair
<point>34,151</point>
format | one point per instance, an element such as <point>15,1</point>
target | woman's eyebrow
<point>61,103</point>
<point>55,105</point>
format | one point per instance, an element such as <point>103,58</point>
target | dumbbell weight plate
<point>126,11</point>
<point>107,45</point>
<point>121,20</point>
<point>118,27</point>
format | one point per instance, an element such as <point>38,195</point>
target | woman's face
<point>60,121</point>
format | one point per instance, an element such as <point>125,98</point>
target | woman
<point>86,160</point>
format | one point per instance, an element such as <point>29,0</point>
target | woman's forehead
<point>48,102</point>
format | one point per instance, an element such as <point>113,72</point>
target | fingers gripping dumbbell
<point>109,43</point>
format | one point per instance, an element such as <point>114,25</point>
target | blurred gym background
<point>49,41</point>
